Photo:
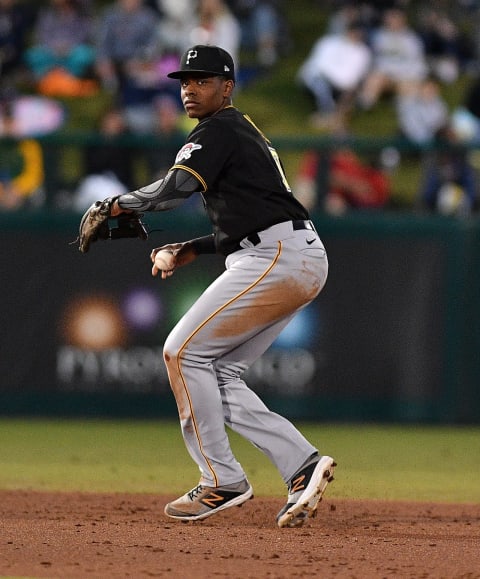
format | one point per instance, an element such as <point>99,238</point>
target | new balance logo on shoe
<point>213,500</point>
<point>202,502</point>
<point>297,484</point>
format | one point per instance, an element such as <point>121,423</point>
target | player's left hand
<point>95,224</point>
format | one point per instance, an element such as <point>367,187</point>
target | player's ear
<point>229,86</point>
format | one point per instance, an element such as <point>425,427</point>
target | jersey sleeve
<point>207,151</point>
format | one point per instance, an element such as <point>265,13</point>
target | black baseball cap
<point>207,60</point>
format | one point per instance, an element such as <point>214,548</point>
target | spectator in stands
<point>467,115</point>
<point>21,158</point>
<point>125,46</point>
<point>155,5</point>
<point>216,25</point>
<point>62,40</point>
<point>353,11</point>
<point>16,22</point>
<point>263,29</point>
<point>423,114</point>
<point>399,62</point>
<point>449,183</point>
<point>345,180</point>
<point>108,163</point>
<point>22,185</point>
<point>447,48</point>
<point>166,126</point>
<point>177,21</point>
<point>333,73</point>
<point>449,176</point>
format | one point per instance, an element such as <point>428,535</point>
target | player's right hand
<point>183,253</point>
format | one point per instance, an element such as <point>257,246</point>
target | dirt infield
<point>79,535</point>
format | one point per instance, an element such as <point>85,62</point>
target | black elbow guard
<point>186,182</point>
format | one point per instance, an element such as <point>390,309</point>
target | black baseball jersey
<point>243,183</point>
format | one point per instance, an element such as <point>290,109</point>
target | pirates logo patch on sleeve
<point>186,152</point>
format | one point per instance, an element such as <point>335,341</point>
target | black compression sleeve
<point>162,195</point>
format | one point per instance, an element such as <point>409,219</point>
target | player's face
<point>202,96</point>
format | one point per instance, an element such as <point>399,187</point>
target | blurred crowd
<point>120,51</point>
<point>405,52</point>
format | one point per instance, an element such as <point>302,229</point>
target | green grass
<point>374,462</point>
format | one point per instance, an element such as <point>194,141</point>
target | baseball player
<point>275,265</point>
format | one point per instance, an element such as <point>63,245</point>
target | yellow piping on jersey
<point>203,324</point>
<point>192,172</point>
<point>247,118</point>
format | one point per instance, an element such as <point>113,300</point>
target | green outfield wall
<point>395,335</point>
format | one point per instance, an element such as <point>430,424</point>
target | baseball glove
<point>96,224</point>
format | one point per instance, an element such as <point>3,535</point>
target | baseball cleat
<point>305,491</point>
<point>202,501</point>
